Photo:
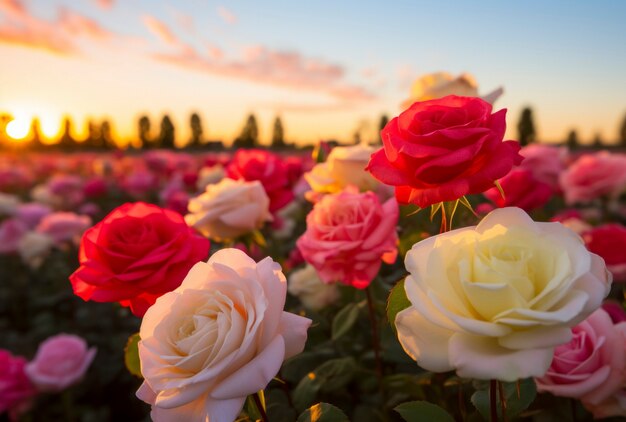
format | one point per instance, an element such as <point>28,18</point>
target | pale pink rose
<point>593,176</point>
<point>591,367</point>
<point>31,213</point>
<point>347,236</point>
<point>64,226</point>
<point>219,337</point>
<point>493,301</point>
<point>139,183</point>
<point>11,231</point>
<point>16,390</point>
<point>545,162</point>
<point>8,203</point>
<point>61,361</point>
<point>613,406</point>
<point>68,188</point>
<point>229,209</point>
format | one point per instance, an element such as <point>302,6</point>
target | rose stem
<point>502,401</point>
<point>259,405</point>
<point>493,398</point>
<point>375,342</point>
<point>573,408</point>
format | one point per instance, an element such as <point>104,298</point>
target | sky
<point>327,68</point>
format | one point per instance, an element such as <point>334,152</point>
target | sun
<point>18,128</point>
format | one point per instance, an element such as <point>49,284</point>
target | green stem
<point>260,407</point>
<point>375,340</point>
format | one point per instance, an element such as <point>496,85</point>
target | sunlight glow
<point>18,128</point>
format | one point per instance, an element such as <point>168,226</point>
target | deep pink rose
<point>61,361</point>
<point>545,162</point>
<point>136,254</point>
<point>442,149</point>
<point>16,389</point>
<point>593,176</point>
<point>95,187</point>
<point>69,188</point>
<point>521,189</point>
<point>11,231</point>
<point>591,367</point>
<point>615,310</point>
<point>64,226</point>
<point>267,168</point>
<point>609,241</point>
<point>139,183</point>
<point>347,236</point>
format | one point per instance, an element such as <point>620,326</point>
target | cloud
<point>58,36</point>
<point>160,30</point>
<point>105,4</point>
<point>226,15</point>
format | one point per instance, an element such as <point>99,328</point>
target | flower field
<point>447,274</point>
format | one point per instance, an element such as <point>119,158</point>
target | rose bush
<point>134,255</point>
<point>217,338</point>
<point>493,301</point>
<point>441,150</point>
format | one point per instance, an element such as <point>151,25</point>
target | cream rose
<point>217,338</point>
<point>229,209</point>
<point>493,301</point>
<point>344,166</point>
<point>307,286</point>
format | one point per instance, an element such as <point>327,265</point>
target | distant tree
<point>166,137</point>
<point>622,133</point>
<point>249,136</point>
<point>144,132</point>
<point>598,142</point>
<point>36,142</point>
<point>384,119</point>
<point>278,134</point>
<point>526,127</point>
<point>196,131</point>
<point>66,141</point>
<point>105,134</point>
<point>94,139</point>
<point>572,139</point>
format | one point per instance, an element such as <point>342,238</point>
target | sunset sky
<point>326,67</point>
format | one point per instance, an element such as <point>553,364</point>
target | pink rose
<point>521,189</point>
<point>68,188</point>
<point>61,361</point>
<point>593,176</point>
<point>613,406</point>
<point>347,236</point>
<point>267,168</point>
<point>609,241</point>
<point>95,187</point>
<point>31,213</point>
<point>139,183</point>
<point>591,367</point>
<point>615,311</point>
<point>64,226</point>
<point>11,231</point>
<point>16,389</point>
<point>545,162</point>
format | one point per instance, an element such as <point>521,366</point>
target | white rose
<point>229,209</point>
<point>307,286</point>
<point>8,203</point>
<point>210,175</point>
<point>493,301</point>
<point>344,166</point>
<point>33,248</point>
<point>219,337</point>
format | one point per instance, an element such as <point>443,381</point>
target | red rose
<point>267,168</point>
<point>136,254</point>
<point>521,189</point>
<point>443,149</point>
<point>609,241</point>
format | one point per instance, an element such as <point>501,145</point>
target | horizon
<point>324,76</point>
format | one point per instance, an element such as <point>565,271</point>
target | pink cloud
<point>160,30</point>
<point>226,15</point>
<point>105,4</point>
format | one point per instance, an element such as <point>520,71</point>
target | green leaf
<point>258,238</point>
<point>131,355</point>
<point>323,412</point>
<point>330,376</point>
<point>397,302</point>
<point>251,408</point>
<point>466,203</point>
<point>433,210</point>
<point>415,411</point>
<point>344,320</point>
<point>449,209</point>
<point>515,404</point>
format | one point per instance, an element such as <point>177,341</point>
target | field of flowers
<point>445,275</point>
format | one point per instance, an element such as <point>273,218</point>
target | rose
<point>344,166</point>
<point>441,150</point>
<point>33,248</point>
<point>348,234</point>
<point>16,390</point>
<point>66,190</point>
<point>493,301</point>
<point>613,406</point>
<point>591,367</point>
<point>63,226</point>
<point>138,183</point>
<point>593,176</point>
<point>8,203</point>
<point>545,162</point>
<point>307,286</point>
<point>521,189</point>
<point>61,361</point>
<point>267,168</point>
<point>609,241</point>
<point>11,231</point>
<point>217,338</point>
<point>209,176</point>
<point>615,311</point>
<point>134,255</point>
<point>31,213</point>
<point>229,209</point>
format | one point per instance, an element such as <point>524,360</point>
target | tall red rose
<point>267,168</point>
<point>136,254</point>
<point>442,149</point>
